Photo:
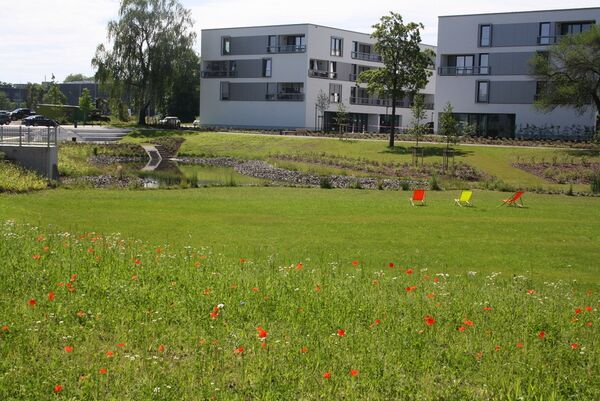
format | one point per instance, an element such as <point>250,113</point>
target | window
<point>485,35</point>
<point>483,91</point>
<point>335,93</point>
<point>540,88</point>
<point>464,65</point>
<point>484,64</point>
<point>575,27</point>
<point>336,46</point>
<point>224,90</point>
<point>226,45</point>
<point>267,65</point>
<point>544,38</point>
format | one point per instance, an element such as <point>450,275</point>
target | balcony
<point>369,101</point>
<point>547,40</point>
<point>322,74</point>
<point>287,49</point>
<point>457,71</point>
<point>219,74</point>
<point>366,56</point>
<point>293,97</point>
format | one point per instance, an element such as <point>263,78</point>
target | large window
<point>226,45</point>
<point>484,64</point>
<point>544,38</point>
<point>464,65</point>
<point>485,35</point>
<point>224,90</point>
<point>575,27</point>
<point>267,65</point>
<point>336,46</point>
<point>483,91</point>
<point>335,93</point>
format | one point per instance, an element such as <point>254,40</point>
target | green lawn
<point>493,160</point>
<point>244,293</point>
<point>555,237</point>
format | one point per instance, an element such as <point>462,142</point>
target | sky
<point>44,37</point>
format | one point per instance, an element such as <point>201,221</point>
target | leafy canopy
<point>570,72</point>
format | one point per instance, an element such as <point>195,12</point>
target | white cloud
<point>42,37</point>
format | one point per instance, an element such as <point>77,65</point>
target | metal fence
<point>28,136</point>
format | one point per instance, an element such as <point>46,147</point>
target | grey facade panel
<point>247,91</point>
<point>524,34</point>
<point>512,92</point>
<point>344,70</point>
<point>245,45</point>
<point>510,63</point>
<point>249,68</point>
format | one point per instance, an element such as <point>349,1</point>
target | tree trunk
<point>142,114</point>
<point>393,124</point>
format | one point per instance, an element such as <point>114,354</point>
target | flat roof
<point>522,12</point>
<point>299,24</point>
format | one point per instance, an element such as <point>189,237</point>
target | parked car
<point>39,120</point>
<point>170,122</point>
<point>196,123</point>
<point>4,117</point>
<point>18,114</point>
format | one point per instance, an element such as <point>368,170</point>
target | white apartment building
<point>483,71</point>
<point>270,76</point>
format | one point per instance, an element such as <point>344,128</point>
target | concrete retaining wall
<point>41,159</point>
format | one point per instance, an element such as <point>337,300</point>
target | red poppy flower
<point>109,354</point>
<point>377,321</point>
<point>541,334</point>
<point>462,328</point>
<point>103,371</point>
<point>589,308</point>
<point>355,263</point>
<point>46,248</point>
<point>40,238</point>
<point>341,332</point>
<point>90,250</point>
<point>531,292</point>
<point>5,328</point>
<point>299,266</point>
<point>318,288</point>
<point>304,349</point>
<point>73,277</point>
<point>134,277</point>
<point>429,320</point>
<point>468,322</point>
<point>261,332</point>
<point>206,291</point>
<point>137,261</point>
<point>161,348</point>
<point>51,296</point>
<point>487,308</point>
<point>238,350</point>
<point>589,324</point>
<point>411,288</point>
<point>158,250</point>
<point>497,348</point>
<point>214,314</point>
<point>353,372</point>
<point>37,256</point>
<point>578,310</point>
<point>263,344</point>
<point>430,295</point>
<point>409,271</point>
<point>121,345</point>
<point>32,302</point>
<point>327,375</point>
<point>391,265</point>
<point>436,279</point>
<point>58,388</point>
<point>243,260</point>
<point>255,289</point>
<point>574,346</point>
<point>80,314</point>
<point>520,345</point>
<point>68,349</point>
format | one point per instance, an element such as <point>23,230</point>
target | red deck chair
<point>512,201</point>
<point>418,196</point>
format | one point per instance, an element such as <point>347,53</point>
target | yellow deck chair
<point>464,199</point>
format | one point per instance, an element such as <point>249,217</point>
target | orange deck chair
<point>418,196</point>
<point>512,201</point>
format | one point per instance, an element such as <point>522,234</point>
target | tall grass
<point>111,318</point>
<point>14,178</point>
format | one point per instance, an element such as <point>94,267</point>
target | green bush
<point>596,183</point>
<point>325,183</point>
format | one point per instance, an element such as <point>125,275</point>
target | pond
<point>171,174</point>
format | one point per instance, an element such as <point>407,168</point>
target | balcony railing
<point>295,97</point>
<point>547,40</point>
<point>322,74</point>
<point>369,101</point>
<point>366,56</point>
<point>464,71</point>
<point>219,74</point>
<point>287,49</point>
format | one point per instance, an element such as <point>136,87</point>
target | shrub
<point>325,183</point>
<point>433,184</point>
<point>404,185</point>
<point>596,183</point>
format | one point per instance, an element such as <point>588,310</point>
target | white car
<point>171,122</point>
<point>196,123</point>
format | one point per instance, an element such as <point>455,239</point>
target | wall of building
<point>41,159</point>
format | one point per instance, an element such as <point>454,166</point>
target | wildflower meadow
<point>85,316</point>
